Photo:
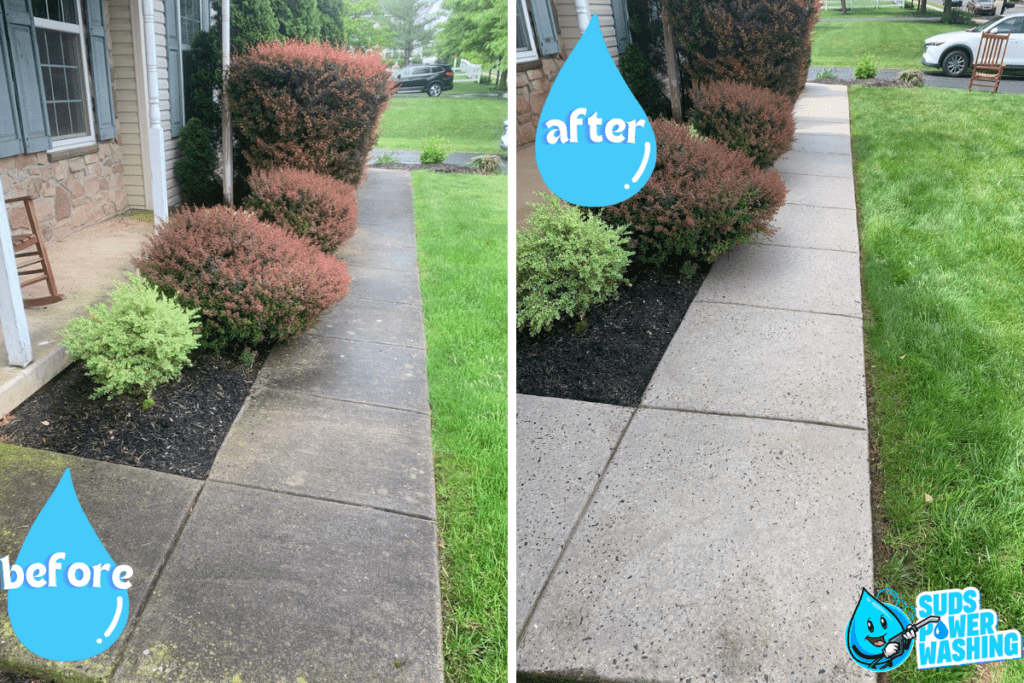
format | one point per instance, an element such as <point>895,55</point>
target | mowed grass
<point>895,44</point>
<point>469,124</point>
<point>861,11</point>
<point>942,250</point>
<point>462,239</point>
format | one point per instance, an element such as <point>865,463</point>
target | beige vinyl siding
<point>126,97</point>
<point>570,27</point>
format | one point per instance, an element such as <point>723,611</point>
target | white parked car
<point>954,52</point>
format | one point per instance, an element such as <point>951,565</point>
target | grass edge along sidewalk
<point>461,236</point>
<point>940,211</point>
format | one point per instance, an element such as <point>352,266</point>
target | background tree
<point>332,21</point>
<point>253,21</point>
<point>477,30</point>
<point>364,25</point>
<point>409,23</point>
<point>298,19</point>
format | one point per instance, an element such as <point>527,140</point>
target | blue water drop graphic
<point>870,628</point>
<point>595,146</point>
<point>941,631</point>
<point>64,622</point>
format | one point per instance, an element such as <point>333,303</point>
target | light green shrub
<point>565,263</point>
<point>141,341</point>
<point>435,150</point>
<point>866,67</point>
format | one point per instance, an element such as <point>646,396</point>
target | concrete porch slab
<point>363,372</point>
<point>136,513</point>
<point>87,265</point>
<point>718,363</point>
<point>716,548</point>
<point>271,587</point>
<point>807,188</point>
<point>385,285</point>
<point>812,280</point>
<point>332,450</point>
<point>815,164</point>
<point>815,227</point>
<point>562,448</point>
<point>384,322</point>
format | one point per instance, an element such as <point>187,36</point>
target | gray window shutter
<point>621,17</point>
<point>101,89</point>
<point>28,79</point>
<point>174,65</point>
<point>544,23</point>
<point>10,131</point>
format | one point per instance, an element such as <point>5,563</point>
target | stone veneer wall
<point>532,86</point>
<point>71,190</point>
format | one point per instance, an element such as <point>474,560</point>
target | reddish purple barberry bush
<point>701,199</point>
<point>308,105</point>
<point>253,283</point>
<point>310,204</point>
<point>753,120</point>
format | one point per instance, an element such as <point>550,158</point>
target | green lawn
<point>465,87</point>
<point>859,12</point>
<point>471,124</point>
<point>462,237</point>
<point>943,265</point>
<point>895,44</point>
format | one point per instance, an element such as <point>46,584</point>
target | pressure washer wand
<point>900,642</point>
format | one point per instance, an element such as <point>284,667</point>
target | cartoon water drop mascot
<point>879,636</point>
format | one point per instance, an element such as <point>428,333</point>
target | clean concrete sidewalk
<point>721,529</point>
<point>310,553</point>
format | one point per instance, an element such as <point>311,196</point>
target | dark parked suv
<point>429,78</point>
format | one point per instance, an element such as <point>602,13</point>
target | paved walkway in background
<point>310,553</point>
<point>722,529</point>
<point>1012,82</point>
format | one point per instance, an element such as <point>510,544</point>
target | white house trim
<point>157,160</point>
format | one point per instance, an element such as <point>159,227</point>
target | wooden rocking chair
<point>988,67</point>
<point>28,245</point>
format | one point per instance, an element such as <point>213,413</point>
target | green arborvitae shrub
<point>702,199</point>
<point>866,67</point>
<point>435,150</point>
<point>254,283</point>
<point>566,262</point>
<point>195,168</point>
<point>308,105</point>
<point>309,204</point>
<point>643,83</point>
<point>140,342</point>
<point>755,121</point>
<point>767,44</point>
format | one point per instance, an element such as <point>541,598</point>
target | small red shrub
<point>254,283</point>
<point>310,204</point>
<point>753,120</point>
<point>701,199</point>
<point>308,105</point>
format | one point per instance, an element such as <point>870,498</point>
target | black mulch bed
<point>614,358</point>
<point>180,434</point>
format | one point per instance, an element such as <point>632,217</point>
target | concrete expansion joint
<point>670,409</point>
<point>364,341</point>
<point>307,496</point>
<point>780,308</point>
<point>794,246</point>
<point>387,301</point>
<point>361,403</point>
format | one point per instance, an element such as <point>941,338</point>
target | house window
<point>526,46</point>
<point>186,19</point>
<point>62,59</point>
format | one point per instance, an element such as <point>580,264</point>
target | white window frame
<point>57,144</point>
<point>524,55</point>
<point>204,26</point>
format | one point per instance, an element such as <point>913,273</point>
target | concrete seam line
<point>361,403</point>
<point>369,341</point>
<point>575,526</point>
<point>753,417</point>
<point>779,308</point>
<point>793,246</point>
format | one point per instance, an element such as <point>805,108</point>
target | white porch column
<point>227,150</point>
<point>583,14</point>
<point>157,155</point>
<point>12,307</point>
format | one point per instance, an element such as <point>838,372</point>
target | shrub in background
<point>701,199</point>
<point>308,105</point>
<point>140,342</point>
<point>435,150</point>
<point>195,168</point>
<point>309,204</point>
<point>253,283</point>
<point>825,73</point>
<point>566,262</point>
<point>767,44</point>
<point>753,120</point>
<point>643,83</point>
<point>488,163</point>
<point>866,67</point>
<point>957,17</point>
<point>914,78</point>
